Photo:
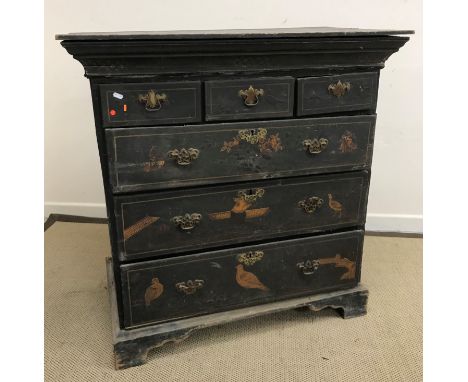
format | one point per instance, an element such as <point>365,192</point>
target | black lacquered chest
<point>236,169</point>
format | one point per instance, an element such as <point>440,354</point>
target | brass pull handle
<point>251,196</point>
<point>339,89</point>
<point>189,287</point>
<point>253,136</point>
<point>251,95</point>
<point>250,258</point>
<point>152,100</point>
<point>308,267</point>
<point>315,146</point>
<point>310,205</point>
<point>187,222</point>
<point>184,156</point>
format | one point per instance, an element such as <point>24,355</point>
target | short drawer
<point>157,158</point>
<point>187,220</point>
<point>345,92</point>
<point>249,98</point>
<point>150,103</point>
<point>164,290</point>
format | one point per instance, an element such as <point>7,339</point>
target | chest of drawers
<point>236,171</point>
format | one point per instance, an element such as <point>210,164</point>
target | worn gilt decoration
<point>267,133</point>
<point>315,146</point>
<point>155,160</point>
<point>184,156</point>
<point>335,205</point>
<point>187,222</point>
<point>242,203</point>
<point>152,100</point>
<point>251,95</point>
<point>153,292</point>
<point>310,205</point>
<point>190,286</point>
<point>250,258</point>
<point>347,142</point>
<point>339,89</point>
<point>266,145</point>
<point>309,267</point>
<point>139,226</point>
<point>248,280</point>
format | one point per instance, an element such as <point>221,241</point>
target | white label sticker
<point>117,95</point>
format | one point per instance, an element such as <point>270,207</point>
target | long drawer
<point>180,221</point>
<point>169,289</point>
<point>154,158</point>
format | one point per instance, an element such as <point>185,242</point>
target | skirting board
<point>375,222</point>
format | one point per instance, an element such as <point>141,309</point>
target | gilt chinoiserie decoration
<point>236,172</point>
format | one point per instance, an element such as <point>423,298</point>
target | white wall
<point>73,182</point>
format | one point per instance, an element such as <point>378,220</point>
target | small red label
<point>112,112</point>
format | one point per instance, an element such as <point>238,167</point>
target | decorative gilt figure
<point>248,280</point>
<point>153,291</point>
<point>347,144</point>
<point>336,206</point>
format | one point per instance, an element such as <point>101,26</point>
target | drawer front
<point>150,103</point>
<point>249,99</point>
<point>164,290</point>
<point>346,92</point>
<point>188,220</point>
<point>157,158</point>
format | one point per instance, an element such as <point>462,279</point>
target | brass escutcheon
<point>152,100</point>
<point>253,136</point>
<point>251,197</point>
<point>310,205</point>
<point>184,156</point>
<point>315,146</point>
<point>308,267</point>
<point>250,258</point>
<point>251,95</point>
<point>189,287</point>
<point>187,222</point>
<point>339,89</point>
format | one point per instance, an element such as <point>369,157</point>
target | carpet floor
<point>384,345</point>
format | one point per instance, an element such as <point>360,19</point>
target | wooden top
<point>232,34</point>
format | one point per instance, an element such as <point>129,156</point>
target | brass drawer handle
<point>315,146</point>
<point>189,287</point>
<point>253,136</point>
<point>310,205</point>
<point>251,196</point>
<point>187,222</point>
<point>339,89</point>
<point>184,156</point>
<point>152,100</point>
<point>251,95</point>
<point>250,258</point>
<point>308,267</point>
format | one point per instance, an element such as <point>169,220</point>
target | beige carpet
<point>385,345</point>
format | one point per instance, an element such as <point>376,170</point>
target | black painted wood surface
<point>226,280</point>
<point>310,32</point>
<point>139,158</point>
<point>315,96</point>
<point>223,102</point>
<point>146,225</point>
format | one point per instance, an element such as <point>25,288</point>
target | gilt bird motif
<point>153,291</point>
<point>248,279</point>
<point>335,205</point>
